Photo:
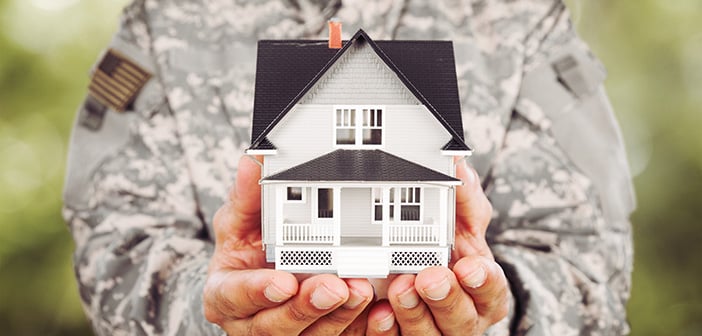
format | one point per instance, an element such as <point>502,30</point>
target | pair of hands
<point>245,297</point>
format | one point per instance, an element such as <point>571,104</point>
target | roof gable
<point>287,69</point>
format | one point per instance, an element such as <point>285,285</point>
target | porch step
<point>362,262</point>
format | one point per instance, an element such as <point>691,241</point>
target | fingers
<point>240,294</point>
<point>359,325</point>
<point>472,206</point>
<point>334,323</point>
<point>411,314</point>
<point>381,320</point>
<point>241,215</point>
<point>473,214</point>
<point>484,280</point>
<point>317,296</point>
<point>452,308</point>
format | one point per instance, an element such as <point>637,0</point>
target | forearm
<point>143,278</point>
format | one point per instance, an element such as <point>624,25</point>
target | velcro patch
<point>117,81</point>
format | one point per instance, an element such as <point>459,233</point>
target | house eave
<point>263,152</point>
<point>360,184</point>
<point>457,152</point>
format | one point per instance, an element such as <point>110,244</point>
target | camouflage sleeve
<point>142,249</point>
<point>562,195</point>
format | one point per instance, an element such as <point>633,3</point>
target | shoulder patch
<point>117,80</point>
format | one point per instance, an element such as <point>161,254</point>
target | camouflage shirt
<point>143,186</point>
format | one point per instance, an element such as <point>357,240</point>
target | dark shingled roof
<point>287,69</point>
<point>452,145</point>
<point>359,165</point>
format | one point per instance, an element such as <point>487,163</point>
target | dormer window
<point>358,126</point>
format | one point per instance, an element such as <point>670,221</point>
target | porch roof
<point>359,165</point>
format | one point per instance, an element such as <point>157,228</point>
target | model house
<point>359,139</point>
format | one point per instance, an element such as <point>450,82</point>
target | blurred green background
<point>652,48</point>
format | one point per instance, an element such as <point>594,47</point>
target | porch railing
<point>413,234</point>
<point>308,233</point>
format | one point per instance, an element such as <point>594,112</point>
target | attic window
<point>358,126</point>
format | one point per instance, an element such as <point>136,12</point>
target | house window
<point>359,126</point>
<point>325,203</point>
<point>377,204</point>
<point>295,195</point>
<point>391,211</point>
<point>372,126</point>
<point>345,126</point>
<point>410,203</point>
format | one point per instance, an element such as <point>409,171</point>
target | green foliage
<point>45,55</point>
<point>652,49</point>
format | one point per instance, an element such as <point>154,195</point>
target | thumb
<point>240,216</point>
<point>473,209</point>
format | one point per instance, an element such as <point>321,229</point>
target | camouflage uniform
<point>142,189</point>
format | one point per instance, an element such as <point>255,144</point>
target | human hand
<point>245,297</point>
<point>464,299</point>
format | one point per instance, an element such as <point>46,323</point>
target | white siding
<point>431,205</point>
<point>414,134</point>
<point>268,210</point>
<point>356,214</point>
<point>359,77</point>
<point>411,132</point>
<point>305,133</point>
<point>298,213</point>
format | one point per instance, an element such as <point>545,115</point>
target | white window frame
<point>303,192</point>
<point>394,202</point>
<point>410,201</point>
<point>379,203</point>
<point>357,125</point>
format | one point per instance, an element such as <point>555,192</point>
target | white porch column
<point>443,215</point>
<point>386,215</point>
<point>279,194</point>
<point>337,215</point>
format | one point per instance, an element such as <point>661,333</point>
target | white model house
<point>359,143</point>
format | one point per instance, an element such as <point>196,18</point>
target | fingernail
<point>324,298</point>
<point>386,323</point>
<point>475,278</point>
<point>354,300</point>
<point>275,294</point>
<point>408,299</point>
<point>439,291</point>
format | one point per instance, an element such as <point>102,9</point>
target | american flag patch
<point>117,81</point>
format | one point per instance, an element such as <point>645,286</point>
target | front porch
<point>374,215</point>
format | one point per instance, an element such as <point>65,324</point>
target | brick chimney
<point>334,34</point>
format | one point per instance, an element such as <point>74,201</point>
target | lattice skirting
<point>323,259</point>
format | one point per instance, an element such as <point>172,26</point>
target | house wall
<point>431,205</point>
<point>356,214</point>
<point>307,132</point>
<point>299,213</point>
<point>268,211</point>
